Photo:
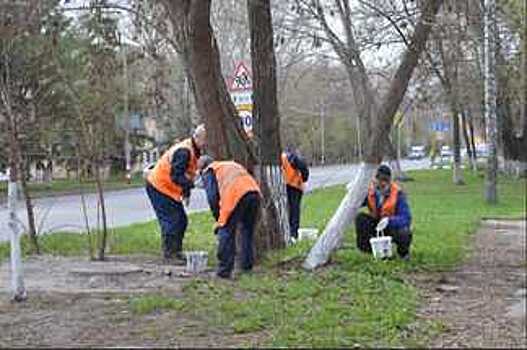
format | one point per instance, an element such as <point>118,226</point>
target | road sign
<point>440,126</point>
<point>241,90</point>
<point>241,79</point>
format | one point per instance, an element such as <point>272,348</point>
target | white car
<point>3,177</point>
<point>417,152</point>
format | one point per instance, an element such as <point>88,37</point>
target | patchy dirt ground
<point>78,303</point>
<point>482,303</point>
<point>87,304</point>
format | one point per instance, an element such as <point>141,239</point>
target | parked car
<point>482,150</point>
<point>3,177</point>
<point>417,152</point>
<point>445,156</point>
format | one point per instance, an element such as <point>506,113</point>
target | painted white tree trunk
<point>457,173</point>
<point>491,194</point>
<point>273,176</point>
<point>17,277</point>
<point>333,234</point>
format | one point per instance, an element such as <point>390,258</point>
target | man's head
<point>200,136</point>
<point>383,177</point>
<point>203,162</point>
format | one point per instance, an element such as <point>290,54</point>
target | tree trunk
<point>472,139</point>
<point>17,276</point>
<point>491,193</point>
<point>457,170</point>
<point>32,231</point>
<point>332,236</point>
<point>226,139</point>
<point>470,150</point>
<point>267,127</point>
<point>100,195</point>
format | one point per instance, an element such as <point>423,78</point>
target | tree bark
<point>32,231</point>
<point>267,125</point>
<point>471,151</point>
<point>332,236</point>
<point>18,290</point>
<point>226,139</point>
<point>199,50</point>
<point>491,193</point>
<point>457,170</point>
<point>100,195</point>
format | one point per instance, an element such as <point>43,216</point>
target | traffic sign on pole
<point>240,86</point>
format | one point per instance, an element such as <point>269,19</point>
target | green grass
<point>354,300</point>
<point>63,186</point>
<point>154,303</point>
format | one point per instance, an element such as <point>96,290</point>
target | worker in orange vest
<point>234,197</point>
<point>296,174</point>
<point>168,185</point>
<point>386,202</point>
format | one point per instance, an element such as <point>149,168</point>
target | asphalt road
<point>125,207</point>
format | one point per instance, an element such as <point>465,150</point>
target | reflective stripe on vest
<point>233,183</point>
<point>389,205</point>
<point>292,176</point>
<point>160,175</point>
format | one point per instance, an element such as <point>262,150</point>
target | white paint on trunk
<point>457,174</point>
<point>17,277</point>
<point>272,174</point>
<point>332,236</point>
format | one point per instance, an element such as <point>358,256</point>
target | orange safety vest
<point>234,181</point>
<point>292,176</point>
<point>160,175</point>
<point>389,205</point>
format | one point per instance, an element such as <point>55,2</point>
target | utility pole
<point>322,133</point>
<point>490,36</point>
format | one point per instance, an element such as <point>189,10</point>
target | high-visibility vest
<point>160,178</point>
<point>292,176</point>
<point>234,181</point>
<point>389,205</point>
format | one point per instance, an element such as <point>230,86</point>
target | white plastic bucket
<point>196,261</point>
<point>307,233</point>
<point>381,247</point>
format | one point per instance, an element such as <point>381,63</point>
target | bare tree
<point>333,233</point>
<point>196,43</point>
<point>266,116</point>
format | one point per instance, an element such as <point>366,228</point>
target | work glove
<point>383,224</point>
<point>216,227</point>
<point>199,182</point>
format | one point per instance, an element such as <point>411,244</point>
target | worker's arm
<point>180,160</point>
<point>402,217</point>
<point>213,196</point>
<point>299,164</point>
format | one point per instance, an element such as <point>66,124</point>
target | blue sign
<point>440,126</point>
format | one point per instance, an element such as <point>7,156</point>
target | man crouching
<point>234,198</point>
<point>386,202</point>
